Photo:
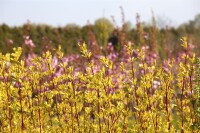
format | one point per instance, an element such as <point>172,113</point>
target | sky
<point>63,12</point>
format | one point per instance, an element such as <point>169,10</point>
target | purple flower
<point>28,42</point>
<point>110,47</point>
<point>54,61</point>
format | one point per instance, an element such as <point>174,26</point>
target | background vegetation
<point>44,36</point>
<point>143,79</point>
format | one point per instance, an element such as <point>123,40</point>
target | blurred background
<point>159,24</point>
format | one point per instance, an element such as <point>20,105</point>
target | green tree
<point>103,28</point>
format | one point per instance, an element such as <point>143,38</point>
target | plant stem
<point>72,118</point>
<point>98,95</point>
<point>166,106</point>
<point>21,107</point>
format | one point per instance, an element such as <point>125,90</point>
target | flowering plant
<point>128,91</point>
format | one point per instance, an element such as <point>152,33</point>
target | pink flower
<point>65,60</point>
<point>165,66</point>
<point>17,85</point>
<point>146,35</point>
<point>29,42</point>
<point>113,56</point>
<point>10,42</point>
<point>54,61</point>
<point>154,55</point>
<point>29,58</point>
<point>110,47</point>
<point>59,71</point>
<point>144,48</point>
<point>156,84</point>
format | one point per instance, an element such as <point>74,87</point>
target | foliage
<point>128,91</point>
<point>196,99</point>
<point>164,40</point>
<point>103,29</point>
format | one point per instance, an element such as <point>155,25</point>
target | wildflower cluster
<point>129,91</point>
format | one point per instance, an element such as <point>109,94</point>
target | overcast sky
<point>62,12</point>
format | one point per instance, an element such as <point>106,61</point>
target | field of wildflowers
<point>112,91</point>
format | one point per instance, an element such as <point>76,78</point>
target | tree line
<point>100,33</point>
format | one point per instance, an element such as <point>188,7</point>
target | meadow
<point>128,87</point>
<point>126,91</point>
